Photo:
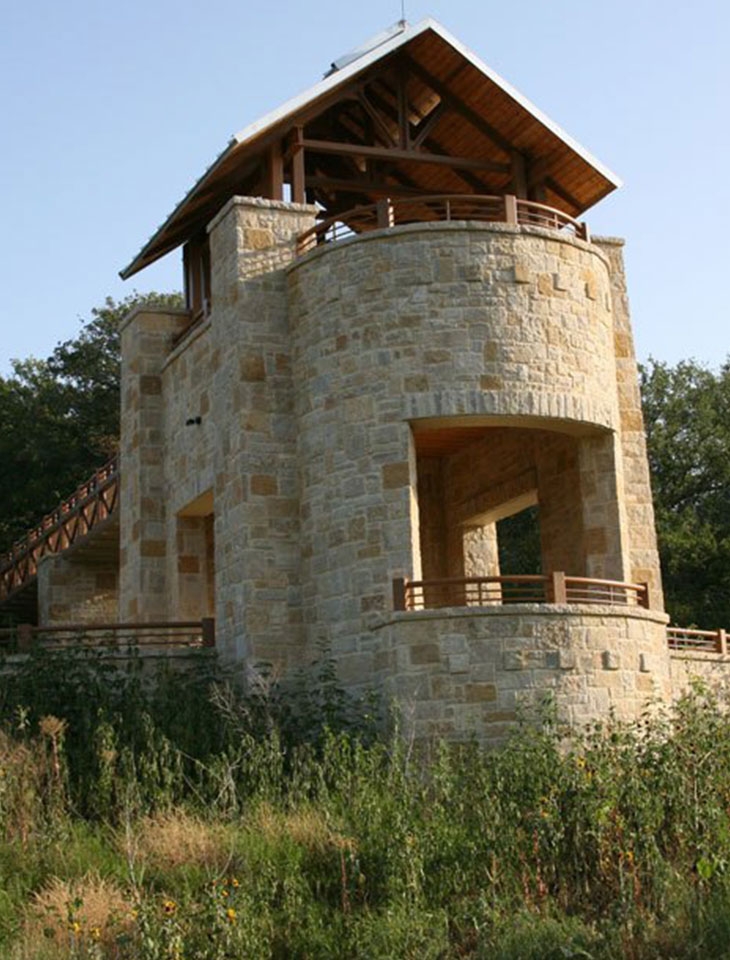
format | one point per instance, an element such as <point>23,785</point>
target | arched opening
<point>502,500</point>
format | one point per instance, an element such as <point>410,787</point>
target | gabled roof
<point>416,113</point>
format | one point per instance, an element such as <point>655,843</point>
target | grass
<point>288,827</point>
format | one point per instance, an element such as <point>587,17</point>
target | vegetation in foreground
<point>181,819</point>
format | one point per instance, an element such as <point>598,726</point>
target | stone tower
<point>398,335</point>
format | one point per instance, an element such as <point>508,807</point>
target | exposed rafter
<point>478,122</point>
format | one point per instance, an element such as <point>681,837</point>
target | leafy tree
<point>60,416</point>
<point>687,415</point>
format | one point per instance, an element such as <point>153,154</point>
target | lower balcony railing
<point>163,635</point>
<point>487,591</point>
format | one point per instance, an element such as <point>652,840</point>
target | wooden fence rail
<point>93,501</point>
<point>177,634</point>
<point>443,207</point>
<point>701,641</point>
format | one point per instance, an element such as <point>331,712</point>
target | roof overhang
<point>485,122</point>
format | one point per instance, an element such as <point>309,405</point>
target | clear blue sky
<point>111,111</point>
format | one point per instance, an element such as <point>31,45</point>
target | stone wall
<point>258,584</point>
<point>464,673</point>
<point>72,589</point>
<point>271,459</point>
<point>688,666</point>
<point>491,323</point>
<point>636,499</point>
<point>146,340</point>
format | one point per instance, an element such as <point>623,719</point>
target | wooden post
<point>559,589</point>
<point>25,638</point>
<point>298,194</point>
<point>585,233</point>
<point>646,598</point>
<point>208,630</point>
<point>399,593</point>
<point>275,173</point>
<point>722,642</point>
<point>404,133</point>
<point>519,174</point>
<point>510,208</point>
<point>385,213</point>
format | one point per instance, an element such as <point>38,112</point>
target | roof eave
<point>148,254</point>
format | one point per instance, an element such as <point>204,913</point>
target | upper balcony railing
<point>484,209</point>
<point>92,502</point>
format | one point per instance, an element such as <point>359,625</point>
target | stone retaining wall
<point>460,673</point>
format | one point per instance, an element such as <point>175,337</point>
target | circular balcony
<point>442,208</point>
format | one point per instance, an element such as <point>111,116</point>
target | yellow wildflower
<point>231,915</point>
<point>169,907</point>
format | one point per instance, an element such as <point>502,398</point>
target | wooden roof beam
<point>427,125</point>
<point>478,122</point>
<point>377,119</point>
<point>376,187</point>
<point>411,156</point>
<point>430,142</point>
<point>563,193</point>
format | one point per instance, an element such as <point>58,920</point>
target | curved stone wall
<point>463,673</point>
<point>428,320</point>
<point>458,318</point>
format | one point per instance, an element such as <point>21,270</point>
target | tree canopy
<point>60,416</point>
<point>687,417</point>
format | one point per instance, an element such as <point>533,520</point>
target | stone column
<point>147,337</point>
<point>643,554</point>
<point>256,489</point>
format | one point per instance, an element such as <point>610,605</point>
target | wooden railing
<point>487,209</point>
<point>486,591</point>
<point>701,641</point>
<point>92,502</point>
<point>160,635</point>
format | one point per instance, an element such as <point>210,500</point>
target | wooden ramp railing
<point>74,518</point>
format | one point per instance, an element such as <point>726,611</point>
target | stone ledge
<point>259,203</point>
<point>187,341</point>
<point>162,311</point>
<point>514,610</point>
<point>698,656</point>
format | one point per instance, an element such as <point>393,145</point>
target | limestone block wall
<point>425,322</point>
<point>637,499</point>
<point>146,340</point>
<point>459,673</point>
<point>188,381</point>
<point>74,590</point>
<point>270,460</point>
<point>688,666</point>
<point>257,564</point>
